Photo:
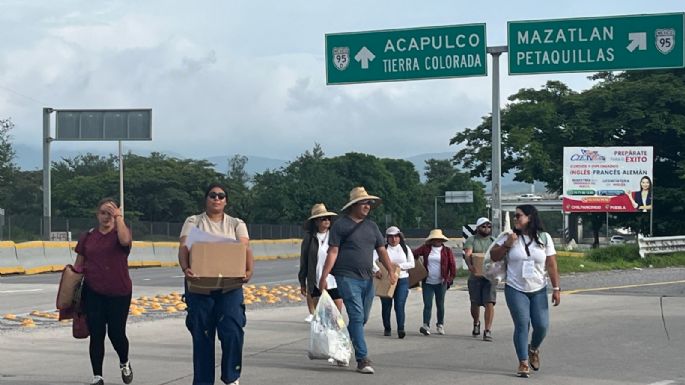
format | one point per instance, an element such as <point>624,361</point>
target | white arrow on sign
<point>364,56</point>
<point>637,40</point>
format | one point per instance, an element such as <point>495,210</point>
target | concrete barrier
<point>8,259</point>
<point>143,255</point>
<point>31,255</point>
<point>275,248</point>
<point>166,253</point>
<point>58,255</point>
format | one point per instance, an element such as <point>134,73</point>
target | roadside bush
<point>615,253</point>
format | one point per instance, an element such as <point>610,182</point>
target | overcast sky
<point>248,77</point>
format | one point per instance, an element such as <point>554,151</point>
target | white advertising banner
<point>608,179</point>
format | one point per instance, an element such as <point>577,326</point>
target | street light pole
<point>436,210</point>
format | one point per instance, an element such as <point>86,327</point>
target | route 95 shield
<point>665,40</point>
<point>341,57</point>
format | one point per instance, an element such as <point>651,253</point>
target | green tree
<point>8,168</point>
<point>237,183</point>
<point>635,108</point>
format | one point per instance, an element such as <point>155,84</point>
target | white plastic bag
<point>496,272</point>
<point>329,339</point>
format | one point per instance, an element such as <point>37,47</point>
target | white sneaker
<point>309,318</point>
<point>440,329</point>
<point>236,382</point>
<point>97,380</point>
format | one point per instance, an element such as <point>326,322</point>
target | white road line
<point>665,382</point>
<point>19,291</point>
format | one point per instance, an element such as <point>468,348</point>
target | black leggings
<point>106,315</point>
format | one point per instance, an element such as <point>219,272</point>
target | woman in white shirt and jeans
<point>402,256</point>
<point>530,256</point>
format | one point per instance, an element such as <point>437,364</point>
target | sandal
<point>476,329</point>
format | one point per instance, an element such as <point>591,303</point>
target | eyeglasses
<point>486,226</point>
<point>214,195</point>
<point>517,215</point>
<point>366,202</point>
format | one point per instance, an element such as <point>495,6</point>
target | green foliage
<point>634,108</point>
<point>8,168</point>
<point>626,252</point>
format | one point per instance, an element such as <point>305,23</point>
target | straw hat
<point>318,210</point>
<point>436,234</point>
<point>359,194</point>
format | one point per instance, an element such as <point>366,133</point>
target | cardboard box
<point>418,273</point>
<point>218,260</point>
<point>383,286</point>
<point>478,263</point>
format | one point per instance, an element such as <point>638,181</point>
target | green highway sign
<point>596,44</point>
<point>406,54</point>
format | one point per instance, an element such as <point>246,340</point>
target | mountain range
<point>30,158</point>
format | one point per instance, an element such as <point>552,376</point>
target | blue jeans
<point>222,313</point>
<point>527,309</point>
<point>357,295</point>
<point>437,290</point>
<point>400,297</point>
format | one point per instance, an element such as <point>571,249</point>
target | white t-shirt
<point>517,257</point>
<point>322,238</point>
<point>434,276</point>
<point>397,256</point>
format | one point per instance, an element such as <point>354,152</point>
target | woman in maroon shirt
<point>103,257</point>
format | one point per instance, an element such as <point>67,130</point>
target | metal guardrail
<point>660,245</point>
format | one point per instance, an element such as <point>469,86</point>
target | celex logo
<point>587,155</point>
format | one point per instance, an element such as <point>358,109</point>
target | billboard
<point>608,179</point>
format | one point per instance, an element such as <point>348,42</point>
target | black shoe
<point>401,334</point>
<point>476,329</point>
<point>386,332</point>
<point>97,380</point>
<point>126,372</point>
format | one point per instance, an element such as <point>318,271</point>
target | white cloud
<point>225,77</point>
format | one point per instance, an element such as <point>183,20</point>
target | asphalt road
<point>22,294</point>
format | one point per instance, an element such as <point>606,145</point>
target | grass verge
<point>616,258</point>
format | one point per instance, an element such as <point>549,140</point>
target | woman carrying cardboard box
<point>216,310</point>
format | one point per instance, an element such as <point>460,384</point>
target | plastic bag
<point>329,339</point>
<point>496,272</point>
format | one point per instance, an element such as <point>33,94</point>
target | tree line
<point>636,108</point>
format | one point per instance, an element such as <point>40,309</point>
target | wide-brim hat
<point>437,234</point>
<point>318,210</point>
<point>359,194</point>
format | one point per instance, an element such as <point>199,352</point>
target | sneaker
<point>364,366</point>
<point>97,380</point>
<point>476,329</point>
<point>425,330</point>
<point>441,329</point>
<point>309,318</point>
<point>401,334</point>
<point>126,372</point>
<point>386,332</point>
<point>524,370</point>
<point>236,382</point>
<point>534,358</point>
<point>487,335</point>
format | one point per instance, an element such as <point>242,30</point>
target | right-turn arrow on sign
<point>596,44</point>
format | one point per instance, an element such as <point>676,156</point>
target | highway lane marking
<point>622,287</point>
<point>19,291</point>
<point>665,382</point>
